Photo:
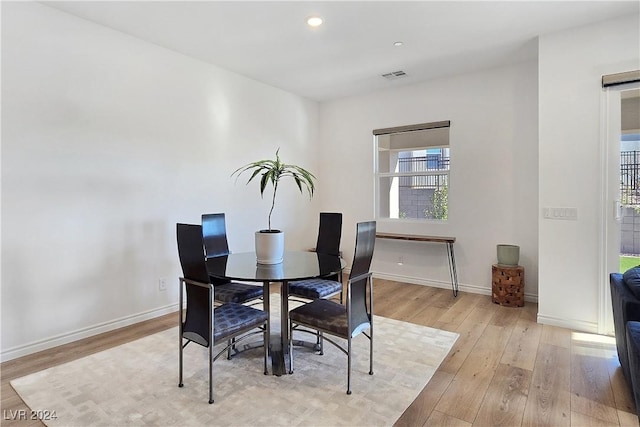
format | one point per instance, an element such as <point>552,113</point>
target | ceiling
<point>270,41</point>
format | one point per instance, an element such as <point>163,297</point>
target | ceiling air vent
<point>394,75</point>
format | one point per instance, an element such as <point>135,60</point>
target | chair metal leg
<point>371,351</point>
<point>211,342</point>
<point>180,384</point>
<point>265,340</point>
<point>210,372</point>
<point>371,325</point>
<point>349,365</point>
<point>319,346</point>
<point>290,346</point>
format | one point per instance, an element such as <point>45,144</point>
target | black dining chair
<point>201,322</point>
<point>327,317</point>
<point>214,236</point>
<point>329,235</point>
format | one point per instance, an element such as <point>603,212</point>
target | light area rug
<point>137,383</point>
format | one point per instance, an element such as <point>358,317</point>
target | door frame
<point>609,253</point>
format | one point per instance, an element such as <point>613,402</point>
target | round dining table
<point>296,265</point>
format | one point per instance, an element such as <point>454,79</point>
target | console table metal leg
<point>452,269</point>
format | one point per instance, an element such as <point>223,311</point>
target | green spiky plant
<point>439,204</point>
<point>272,171</point>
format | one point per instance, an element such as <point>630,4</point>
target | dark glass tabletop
<point>297,265</point>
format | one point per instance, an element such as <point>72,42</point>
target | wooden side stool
<point>507,285</point>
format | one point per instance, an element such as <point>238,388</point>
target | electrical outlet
<point>162,284</point>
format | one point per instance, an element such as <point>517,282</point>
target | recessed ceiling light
<point>398,43</point>
<point>314,21</point>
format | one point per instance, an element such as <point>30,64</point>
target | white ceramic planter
<point>269,246</point>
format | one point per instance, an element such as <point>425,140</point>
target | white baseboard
<point>45,344</point>
<point>573,324</point>
<point>473,289</point>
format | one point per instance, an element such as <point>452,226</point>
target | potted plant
<point>270,242</point>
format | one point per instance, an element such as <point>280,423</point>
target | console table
<point>449,241</point>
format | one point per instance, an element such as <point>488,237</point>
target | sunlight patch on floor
<point>594,345</point>
<point>582,337</point>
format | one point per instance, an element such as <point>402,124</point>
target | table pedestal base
<point>278,365</point>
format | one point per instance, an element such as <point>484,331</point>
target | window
<point>412,172</point>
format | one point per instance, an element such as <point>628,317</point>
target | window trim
<point>378,176</point>
<point>411,128</point>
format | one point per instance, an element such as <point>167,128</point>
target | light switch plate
<point>570,214</point>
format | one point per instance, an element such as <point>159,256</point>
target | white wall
<point>494,173</point>
<point>107,142</point>
<point>571,64</point>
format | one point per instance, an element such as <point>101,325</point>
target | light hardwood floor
<point>504,370</point>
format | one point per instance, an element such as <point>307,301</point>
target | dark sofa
<point>625,297</point>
